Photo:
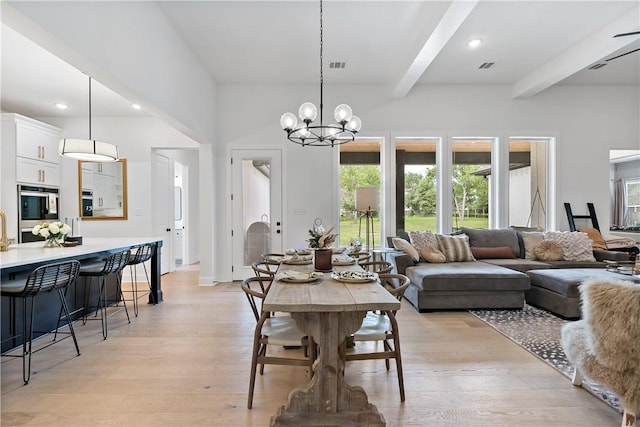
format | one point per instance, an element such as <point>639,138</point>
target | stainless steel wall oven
<point>36,205</point>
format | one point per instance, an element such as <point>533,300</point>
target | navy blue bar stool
<point>46,278</point>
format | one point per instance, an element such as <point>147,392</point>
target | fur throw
<point>605,345</point>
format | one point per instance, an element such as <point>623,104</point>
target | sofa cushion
<point>576,246</point>
<point>519,264</point>
<point>481,237</point>
<point>497,252</point>
<point>406,247</point>
<point>548,250</point>
<point>433,255</point>
<point>566,281</point>
<point>455,248</point>
<point>530,239</point>
<point>420,239</point>
<point>466,276</point>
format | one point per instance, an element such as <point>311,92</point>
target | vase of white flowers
<point>321,241</point>
<point>52,232</point>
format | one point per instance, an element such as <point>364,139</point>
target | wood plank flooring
<point>186,363</point>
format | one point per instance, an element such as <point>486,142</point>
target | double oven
<point>36,205</point>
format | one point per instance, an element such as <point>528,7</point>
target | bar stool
<point>113,264</point>
<point>46,278</point>
<point>142,254</point>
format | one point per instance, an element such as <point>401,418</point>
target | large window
<point>360,169</point>
<point>528,182</point>
<point>416,184</point>
<point>632,202</point>
<point>469,181</point>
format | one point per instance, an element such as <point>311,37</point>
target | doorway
<point>256,207</point>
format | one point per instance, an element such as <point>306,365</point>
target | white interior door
<point>163,209</point>
<point>256,207</point>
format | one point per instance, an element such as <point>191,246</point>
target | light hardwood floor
<point>186,363</point>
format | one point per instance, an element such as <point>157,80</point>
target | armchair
<point>605,345</point>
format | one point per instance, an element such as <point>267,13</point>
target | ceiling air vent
<point>596,66</point>
<point>486,65</point>
<point>337,64</point>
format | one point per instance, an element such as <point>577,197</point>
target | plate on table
<point>343,261</point>
<point>354,276</point>
<point>298,277</point>
<point>296,261</point>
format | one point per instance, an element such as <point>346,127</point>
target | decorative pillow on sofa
<point>420,239</point>
<point>406,247</point>
<point>548,250</point>
<point>433,255</point>
<point>491,238</point>
<point>597,241</point>
<point>455,248</point>
<point>498,252</point>
<point>576,246</point>
<point>530,240</point>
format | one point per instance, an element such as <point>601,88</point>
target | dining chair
<point>382,326</point>
<point>361,256</point>
<point>380,267</point>
<point>272,258</point>
<point>46,278</point>
<point>279,330</point>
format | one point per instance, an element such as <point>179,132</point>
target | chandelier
<point>321,135</point>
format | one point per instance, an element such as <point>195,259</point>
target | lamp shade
<point>88,150</point>
<point>366,199</point>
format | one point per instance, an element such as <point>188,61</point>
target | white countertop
<point>29,253</point>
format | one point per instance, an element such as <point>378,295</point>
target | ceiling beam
<point>453,18</point>
<point>589,51</point>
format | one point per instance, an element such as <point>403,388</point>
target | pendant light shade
<point>88,149</point>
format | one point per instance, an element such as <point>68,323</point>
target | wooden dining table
<point>328,310</point>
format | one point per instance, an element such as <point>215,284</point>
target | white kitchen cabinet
<point>37,172</point>
<point>37,142</point>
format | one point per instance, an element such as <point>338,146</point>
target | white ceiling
<point>393,44</point>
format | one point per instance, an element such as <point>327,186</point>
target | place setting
<point>354,276</point>
<point>298,276</point>
<point>296,259</point>
<point>342,259</point>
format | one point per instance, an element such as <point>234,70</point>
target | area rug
<point>538,331</point>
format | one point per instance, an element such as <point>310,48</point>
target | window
<point>527,182</point>
<point>359,168</point>
<point>470,182</point>
<point>632,202</point>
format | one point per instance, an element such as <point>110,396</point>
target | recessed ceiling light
<point>474,42</point>
<point>136,106</point>
<point>61,106</point>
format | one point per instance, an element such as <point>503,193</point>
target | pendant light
<point>88,149</point>
<point>320,135</point>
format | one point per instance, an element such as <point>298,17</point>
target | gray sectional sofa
<point>500,283</point>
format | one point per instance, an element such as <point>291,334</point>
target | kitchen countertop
<point>34,253</point>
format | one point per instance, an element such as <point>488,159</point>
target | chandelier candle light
<point>321,135</point>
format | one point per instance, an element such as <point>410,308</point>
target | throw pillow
<point>530,240</point>
<point>433,255</point>
<point>597,241</point>
<point>491,238</point>
<point>548,250</point>
<point>405,247</point>
<point>576,246</point>
<point>420,239</point>
<point>499,252</point>
<point>455,248</point>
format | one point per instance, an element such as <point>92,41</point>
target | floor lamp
<point>366,205</point>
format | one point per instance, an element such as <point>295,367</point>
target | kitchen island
<point>21,259</point>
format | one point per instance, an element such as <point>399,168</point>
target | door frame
<point>236,155</point>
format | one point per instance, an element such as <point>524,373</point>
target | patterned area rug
<point>538,331</point>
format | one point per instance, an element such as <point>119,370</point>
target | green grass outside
<point>349,227</point>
